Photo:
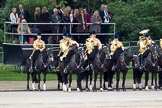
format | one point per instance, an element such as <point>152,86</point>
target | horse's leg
<point>64,82</point>
<point>101,89</point>
<point>90,83</point>
<point>70,80</point>
<point>146,80</point>
<point>95,79</point>
<point>160,79</point>
<point>139,80</point>
<point>86,76</point>
<point>156,80</point>
<point>28,77</point>
<point>44,85</point>
<point>117,79</point>
<point>124,78</point>
<point>110,78</point>
<point>33,74</point>
<point>39,78</point>
<point>58,77</point>
<point>80,80</point>
<point>152,80</point>
<point>134,79</point>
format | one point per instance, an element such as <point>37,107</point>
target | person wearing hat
<point>144,43</point>
<point>38,47</point>
<point>116,48</point>
<point>64,46</point>
<point>161,43</point>
<point>73,45</point>
<point>93,45</point>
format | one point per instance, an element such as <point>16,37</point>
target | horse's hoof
<point>101,89</point>
<point>90,87</point>
<point>44,87</point>
<point>69,89</point>
<point>87,89</point>
<point>124,89</point>
<point>146,88</point>
<point>134,86</point>
<point>110,89</point>
<point>94,90</point>
<point>33,86</point>
<point>152,87</point>
<point>117,89</point>
<point>64,88</point>
<point>78,90</point>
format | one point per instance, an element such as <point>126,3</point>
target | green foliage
<point>132,17</point>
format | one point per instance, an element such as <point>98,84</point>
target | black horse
<point>75,66</point>
<point>87,74</point>
<point>99,63</point>
<point>123,61</point>
<point>137,72</point>
<point>160,70</point>
<point>151,62</point>
<point>42,64</point>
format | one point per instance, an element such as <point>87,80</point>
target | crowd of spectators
<point>63,15</point>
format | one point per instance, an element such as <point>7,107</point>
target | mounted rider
<point>71,50</point>
<point>93,45</point>
<point>144,43</point>
<point>161,43</point>
<point>64,47</point>
<point>38,47</point>
<point>116,48</point>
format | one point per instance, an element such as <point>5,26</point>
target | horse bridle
<point>153,54</point>
<point>81,58</point>
<point>107,56</point>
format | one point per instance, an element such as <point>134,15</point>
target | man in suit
<point>23,11</point>
<point>105,15</point>
<point>55,18</point>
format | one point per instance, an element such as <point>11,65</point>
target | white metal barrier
<point>70,24</point>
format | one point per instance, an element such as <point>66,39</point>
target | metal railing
<point>49,34</point>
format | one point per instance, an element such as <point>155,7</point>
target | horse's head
<point>155,51</point>
<point>136,62</point>
<point>80,51</point>
<point>128,52</point>
<point>50,54</point>
<point>106,51</point>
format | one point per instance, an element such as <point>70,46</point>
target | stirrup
<point>31,69</point>
<point>65,70</point>
<point>57,69</point>
<point>128,67</point>
<point>114,67</point>
<point>159,69</point>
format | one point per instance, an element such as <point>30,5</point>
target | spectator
<point>81,18</point>
<point>23,29</point>
<point>61,13</point>
<point>21,17</point>
<point>105,15</point>
<point>66,19</point>
<point>88,18</point>
<point>14,19</point>
<point>37,16</point>
<point>74,28</point>
<point>23,11</point>
<point>96,20</point>
<point>45,28</point>
<point>55,18</point>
